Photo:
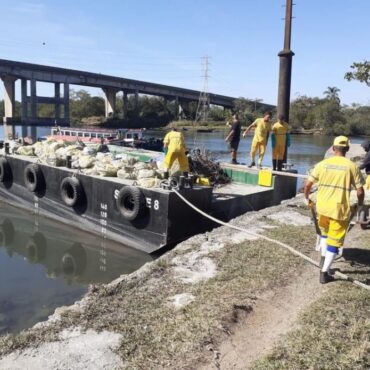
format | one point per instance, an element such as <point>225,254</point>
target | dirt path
<point>274,314</point>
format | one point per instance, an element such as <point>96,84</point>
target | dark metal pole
<point>285,72</point>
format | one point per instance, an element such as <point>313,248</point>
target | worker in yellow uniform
<point>175,148</point>
<point>280,138</point>
<point>262,129</point>
<point>335,176</point>
<point>365,165</point>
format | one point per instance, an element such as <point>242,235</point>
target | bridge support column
<point>125,104</point>
<point>9,98</point>
<point>177,107</point>
<point>66,102</point>
<point>57,101</point>
<point>184,109</point>
<point>136,102</point>
<point>24,109</point>
<point>33,100</point>
<point>110,102</point>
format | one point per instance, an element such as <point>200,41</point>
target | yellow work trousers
<point>259,146</point>
<point>367,185</point>
<point>180,156</point>
<point>334,230</point>
<point>278,152</point>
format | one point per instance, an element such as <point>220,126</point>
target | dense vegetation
<point>325,114</point>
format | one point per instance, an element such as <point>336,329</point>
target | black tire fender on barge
<point>5,170</point>
<point>71,191</point>
<point>33,177</point>
<point>131,203</point>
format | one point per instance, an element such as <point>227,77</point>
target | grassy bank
<point>334,332</point>
<point>175,312</point>
<point>158,334</point>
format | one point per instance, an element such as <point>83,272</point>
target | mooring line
<point>286,246</point>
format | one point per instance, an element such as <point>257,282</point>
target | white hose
<point>286,246</point>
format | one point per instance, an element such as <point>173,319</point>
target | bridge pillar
<point>33,100</point>
<point>125,104</point>
<point>9,98</point>
<point>66,102</point>
<point>177,107</point>
<point>183,109</point>
<point>57,101</point>
<point>110,102</point>
<point>136,104</point>
<point>24,103</point>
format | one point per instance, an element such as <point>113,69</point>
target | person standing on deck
<point>335,177</point>
<point>262,129</point>
<point>280,138</point>
<point>365,165</point>
<point>175,148</point>
<point>234,138</point>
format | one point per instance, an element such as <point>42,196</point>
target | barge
<point>147,219</point>
<point>79,258</point>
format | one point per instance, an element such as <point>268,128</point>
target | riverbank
<point>179,311</point>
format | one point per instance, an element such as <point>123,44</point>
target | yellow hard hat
<point>341,141</point>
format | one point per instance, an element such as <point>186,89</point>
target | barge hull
<point>165,221</point>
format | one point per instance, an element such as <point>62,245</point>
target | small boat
<point>133,138</point>
<point>205,130</point>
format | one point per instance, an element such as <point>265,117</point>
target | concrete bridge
<point>10,71</point>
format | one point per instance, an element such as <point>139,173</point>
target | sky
<point>164,41</point>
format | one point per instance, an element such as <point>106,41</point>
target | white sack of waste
<point>88,150</point>
<point>145,174</point>
<point>61,153</point>
<point>56,145</point>
<point>141,166</point>
<point>25,150</point>
<point>54,161</point>
<point>86,161</point>
<point>106,170</point>
<point>122,174</point>
<point>90,172</point>
<point>104,156</point>
<point>149,183</point>
<point>13,146</point>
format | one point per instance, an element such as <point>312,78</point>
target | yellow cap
<point>341,141</point>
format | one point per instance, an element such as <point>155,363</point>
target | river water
<point>44,264</point>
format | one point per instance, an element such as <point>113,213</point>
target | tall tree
<point>361,72</point>
<point>332,93</point>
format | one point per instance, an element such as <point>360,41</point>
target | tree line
<point>325,114</point>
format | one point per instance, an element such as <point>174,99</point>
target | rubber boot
<point>279,165</point>
<point>325,277</point>
<point>274,164</point>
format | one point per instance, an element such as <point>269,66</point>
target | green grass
<point>154,334</point>
<point>334,332</point>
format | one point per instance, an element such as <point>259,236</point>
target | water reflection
<point>44,265</point>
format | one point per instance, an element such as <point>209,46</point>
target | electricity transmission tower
<point>203,102</point>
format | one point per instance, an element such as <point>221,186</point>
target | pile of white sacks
<point>91,162</point>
